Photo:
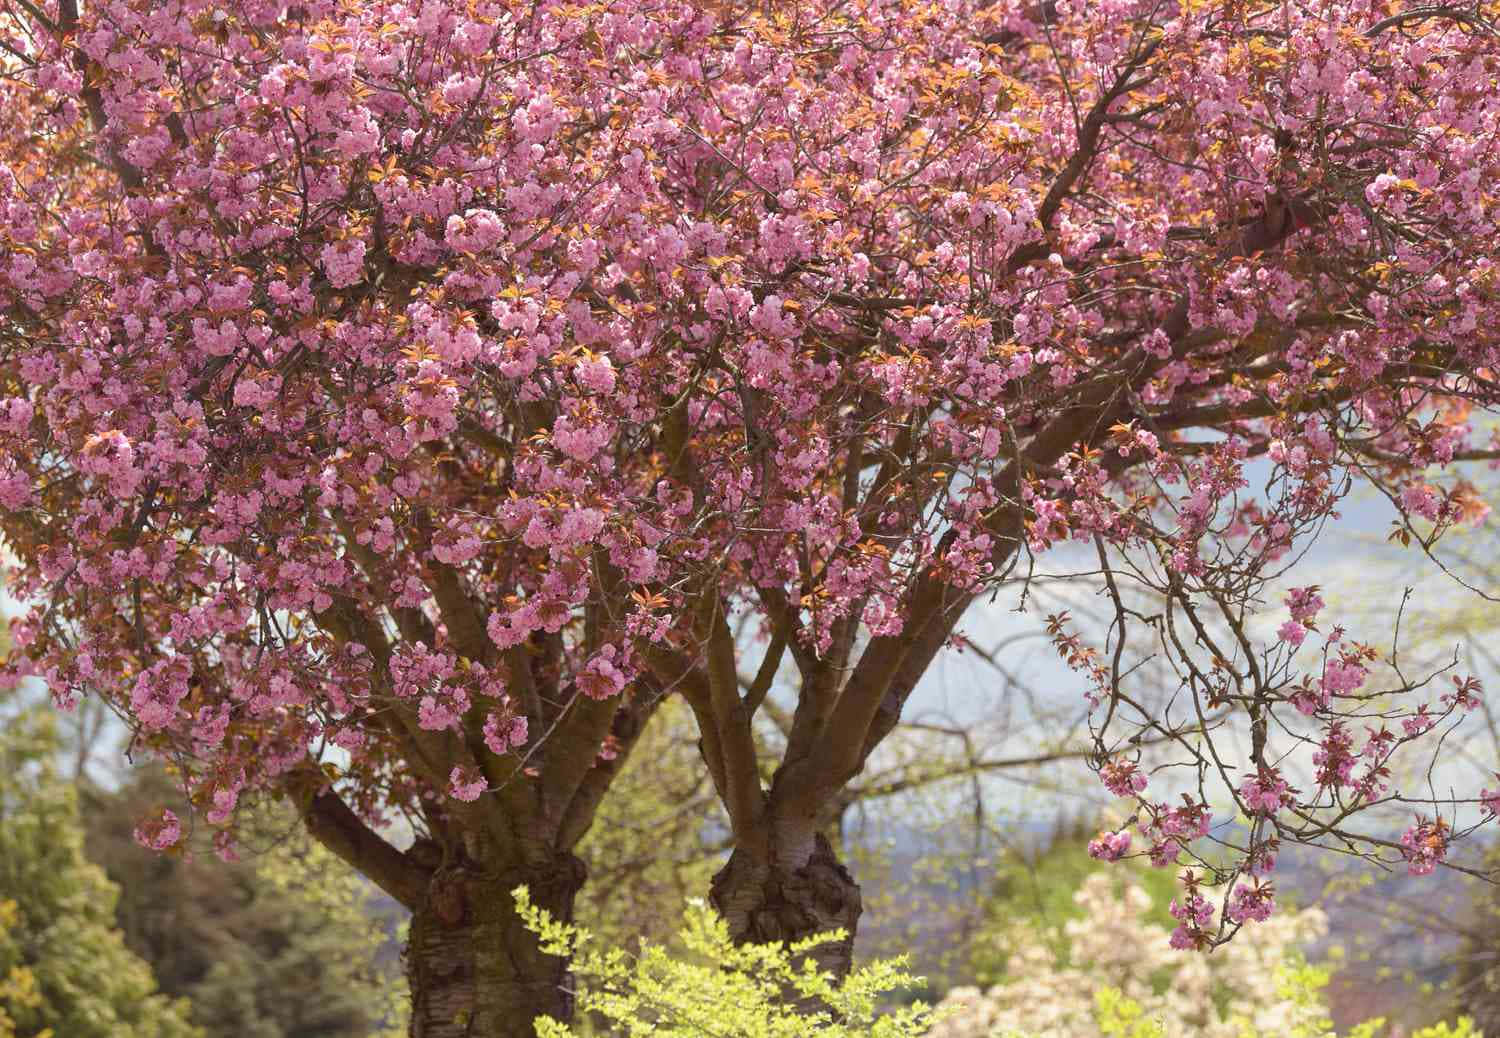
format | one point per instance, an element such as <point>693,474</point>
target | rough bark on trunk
<point>789,898</point>
<point>473,968</point>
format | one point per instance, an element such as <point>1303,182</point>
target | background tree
<point>440,386</point>
<point>285,943</point>
<point>65,970</point>
<point>282,944</point>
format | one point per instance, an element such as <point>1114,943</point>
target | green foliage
<point>65,970</point>
<point>1301,984</point>
<point>284,944</point>
<point>335,903</point>
<point>717,989</point>
<point>1463,1028</point>
<point>307,970</point>
<point>1120,1017</point>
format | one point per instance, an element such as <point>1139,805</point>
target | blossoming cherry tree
<point>399,399</point>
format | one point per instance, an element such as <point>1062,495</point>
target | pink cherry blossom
<point>1265,793</point>
<point>1424,845</point>
<point>1252,901</point>
<point>466,785</point>
<point>161,833</point>
<point>504,734</point>
<point>1123,778</point>
<point>1110,846</point>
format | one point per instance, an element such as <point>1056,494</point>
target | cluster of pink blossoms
<point>466,784</point>
<point>1194,915</point>
<point>1123,777</point>
<point>160,833</point>
<point>1252,901</point>
<point>1266,792</point>
<point>1489,800</point>
<point>1170,829</point>
<point>1110,846</point>
<point>1425,845</point>
<point>1305,604</point>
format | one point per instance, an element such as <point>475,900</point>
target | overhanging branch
<point>333,824</point>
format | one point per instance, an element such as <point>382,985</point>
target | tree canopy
<point>398,401</point>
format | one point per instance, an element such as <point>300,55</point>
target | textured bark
<point>791,897</point>
<point>474,970</point>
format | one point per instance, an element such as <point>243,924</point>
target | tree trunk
<point>804,890</point>
<point>474,969</point>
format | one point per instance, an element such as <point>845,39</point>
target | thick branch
<point>755,692</point>
<point>629,722</point>
<point>731,719</point>
<point>333,824</point>
<point>461,615</point>
<point>571,752</point>
<point>738,791</point>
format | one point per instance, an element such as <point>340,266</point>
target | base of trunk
<point>764,903</point>
<point>474,969</point>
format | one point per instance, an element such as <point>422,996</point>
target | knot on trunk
<point>552,885</point>
<point>766,902</point>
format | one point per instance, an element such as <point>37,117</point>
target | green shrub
<point>717,989</point>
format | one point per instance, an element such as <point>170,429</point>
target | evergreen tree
<point>65,969</point>
<point>282,944</point>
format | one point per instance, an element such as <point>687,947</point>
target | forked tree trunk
<point>474,969</point>
<point>804,890</point>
